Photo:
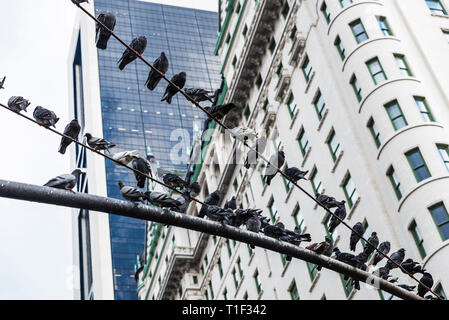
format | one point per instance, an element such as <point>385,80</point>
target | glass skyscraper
<point>134,118</point>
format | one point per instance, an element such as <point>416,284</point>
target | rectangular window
<point>279,69</point>
<point>347,285</point>
<point>250,251</point>
<point>384,26</point>
<point>298,217</point>
<point>316,182</point>
<point>228,245</point>
<point>395,182</point>
<point>358,30</point>
<point>395,113</point>
<point>234,276</point>
<point>220,268</point>
<point>291,104</point>
<point>374,132</point>
<point>239,266</point>
<point>307,69</point>
<point>402,65</point>
<point>320,105</point>
<point>356,87</point>
<point>234,61</point>
<point>235,185</point>
<point>245,31</point>
<point>326,13</point>
<point>273,210</point>
<point>312,270</point>
<point>211,290</point>
<point>225,294</point>
<point>334,146</point>
<point>444,153</point>
<point>418,164</point>
<point>424,109</point>
<point>326,227</point>
<point>414,230</point>
<point>257,281</point>
<point>259,81</point>
<point>303,142</point>
<point>293,33</point>
<point>350,191</point>
<point>283,259</point>
<point>339,45</point>
<point>376,71</point>
<point>345,3</point>
<point>436,7</point>
<point>441,219</point>
<point>272,45</point>
<point>285,10</point>
<point>294,291</point>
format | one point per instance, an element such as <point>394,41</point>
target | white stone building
<point>355,92</point>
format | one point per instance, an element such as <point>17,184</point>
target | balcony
<point>283,85</point>
<point>296,51</point>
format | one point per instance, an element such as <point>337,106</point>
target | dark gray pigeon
<point>2,83</point>
<point>407,287</point>
<point>382,272</point>
<point>295,237</point>
<point>231,204</point>
<point>350,259</point>
<point>242,215</point>
<point>397,257</point>
<point>252,155</point>
<point>17,104</point>
<point>374,241</point>
<point>199,94</point>
<point>194,189</point>
<point>64,181</point>
<point>184,201</point>
<point>174,181</point>
<point>412,267</point>
<point>72,130</point>
<point>384,247</point>
<point>98,143</point>
<point>45,117</point>
<point>130,193</point>
<point>125,157</point>
<point>179,80</point>
<point>103,35</point>
<point>138,44</point>
<point>425,281</point>
<point>327,201</point>
<point>276,161</point>
<point>254,224</point>
<point>357,229</point>
<point>339,212</point>
<point>295,174</point>
<point>276,231</point>
<point>221,215</point>
<point>142,165</point>
<point>219,112</point>
<point>154,77</point>
<point>162,200</point>
<point>212,199</point>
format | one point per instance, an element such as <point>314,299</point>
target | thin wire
<point>253,149</point>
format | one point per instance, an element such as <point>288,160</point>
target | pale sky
<point>35,239</point>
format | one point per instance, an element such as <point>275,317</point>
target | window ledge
<point>323,119</point>
<point>264,189</point>
<point>289,193</point>
<point>285,268</point>
<point>356,204</point>
<point>252,256</point>
<point>309,83</point>
<point>305,157</point>
<point>294,118</point>
<point>440,15</point>
<point>238,287</point>
<point>337,161</point>
<point>260,295</point>
<point>314,282</point>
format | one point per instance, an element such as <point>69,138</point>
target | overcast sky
<point>35,240</point>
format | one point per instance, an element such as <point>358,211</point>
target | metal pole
<point>27,192</point>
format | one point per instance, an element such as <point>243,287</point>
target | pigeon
<point>407,287</point>
<point>179,80</point>
<point>64,181</point>
<point>130,193</point>
<point>138,44</point>
<point>213,199</point>
<point>327,201</point>
<point>382,272</point>
<point>393,280</point>
<point>216,213</point>
<point>184,201</point>
<point>324,248</point>
<point>194,189</point>
<point>339,212</point>
<point>384,247</point>
<point>154,77</point>
<point>45,117</point>
<point>276,161</point>
<point>174,181</point>
<point>254,224</point>
<point>397,257</point>
<point>431,297</point>
<point>219,112</point>
<point>231,204</point>
<point>98,143</point>
<point>199,94</point>
<point>243,133</point>
<point>161,200</point>
<point>374,241</point>
<point>142,165</point>
<point>72,130</point>
<point>362,257</point>
<point>242,215</point>
<point>412,267</point>
<point>126,157</point>
<point>350,259</point>
<point>425,281</point>
<point>17,104</point>
<point>358,230</point>
<point>103,35</point>
<point>295,236</point>
<point>252,156</point>
<point>276,231</point>
<point>2,83</point>
<point>294,174</point>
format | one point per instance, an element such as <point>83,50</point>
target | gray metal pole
<point>22,191</point>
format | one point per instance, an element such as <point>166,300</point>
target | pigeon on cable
<point>2,83</point>
<point>213,199</point>
<point>295,237</point>
<point>194,189</point>
<point>64,181</point>
<point>294,174</point>
<point>384,247</point>
<point>358,230</point>
<point>142,165</point>
<point>231,204</point>
<point>130,193</point>
<point>407,287</point>
<point>242,215</point>
<point>218,214</point>
<point>382,272</point>
<point>125,157</point>
<point>220,111</point>
<point>374,241</point>
<point>276,231</point>
<point>425,281</point>
<point>254,224</point>
<point>98,143</point>
<point>327,201</point>
<point>154,77</point>
<point>162,200</point>
<point>17,104</point>
<point>350,259</point>
<point>72,130</point>
<point>138,44</point>
<point>243,133</point>
<point>339,212</point>
<point>253,156</point>
<point>184,199</point>
<point>198,95</point>
<point>179,80</point>
<point>324,248</point>
<point>412,267</point>
<point>102,34</point>
<point>45,117</point>
<point>397,257</point>
<point>174,181</point>
<point>276,161</point>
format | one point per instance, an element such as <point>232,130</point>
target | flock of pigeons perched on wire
<point>228,215</point>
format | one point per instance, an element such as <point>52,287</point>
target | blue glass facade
<point>134,118</point>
